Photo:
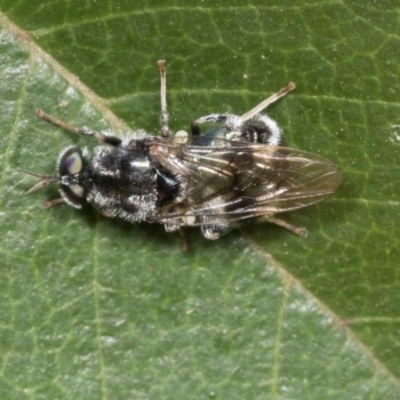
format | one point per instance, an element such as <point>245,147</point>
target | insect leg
<point>184,242</point>
<point>284,224</point>
<point>257,109</point>
<point>164,116</point>
<point>112,140</point>
<point>235,122</point>
<point>52,203</point>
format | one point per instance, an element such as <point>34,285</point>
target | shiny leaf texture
<point>99,309</point>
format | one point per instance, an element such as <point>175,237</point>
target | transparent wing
<point>232,181</point>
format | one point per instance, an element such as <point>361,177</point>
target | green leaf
<point>94,308</point>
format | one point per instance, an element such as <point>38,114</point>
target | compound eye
<point>70,165</point>
<point>70,162</point>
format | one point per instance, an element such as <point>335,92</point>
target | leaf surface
<point>94,308</point>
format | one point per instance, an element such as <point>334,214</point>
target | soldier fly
<point>237,169</point>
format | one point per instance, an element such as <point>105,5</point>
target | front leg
<point>100,136</point>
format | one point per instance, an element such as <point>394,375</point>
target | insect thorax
<point>125,184</point>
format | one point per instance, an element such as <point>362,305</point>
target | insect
<point>237,169</point>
